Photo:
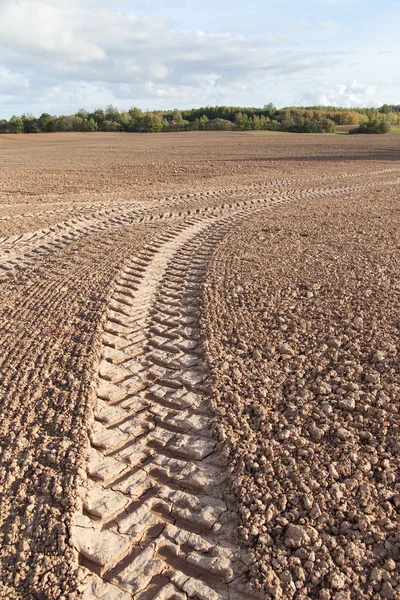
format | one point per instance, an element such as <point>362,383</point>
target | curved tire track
<point>144,338</point>
<point>157,521</point>
<point>21,251</point>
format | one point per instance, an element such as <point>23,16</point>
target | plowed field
<point>199,367</point>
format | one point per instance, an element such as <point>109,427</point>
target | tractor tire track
<point>22,251</point>
<point>156,520</point>
<point>49,325</point>
<point>152,348</point>
<point>84,210</point>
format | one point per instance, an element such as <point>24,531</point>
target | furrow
<point>20,252</point>
<point>177,199</point>
<point>155,508</point>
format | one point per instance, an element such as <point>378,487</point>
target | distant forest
<point>310,119</point>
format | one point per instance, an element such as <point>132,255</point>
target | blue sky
<point>62,55</point>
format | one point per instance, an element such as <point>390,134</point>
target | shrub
<point>373,126</point>
<point>109,125</point>
<point>220,125</point>
<point>302,123</point>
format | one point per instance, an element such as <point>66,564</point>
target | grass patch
<point>340,132</point>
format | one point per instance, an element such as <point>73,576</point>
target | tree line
<point>313,119</point>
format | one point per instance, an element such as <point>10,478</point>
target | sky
<point>59,56</point>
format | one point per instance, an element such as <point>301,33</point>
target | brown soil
<point>301,339</point>
<point>49,322</point>
<point>345,127</point>
<point>304,331</point>
<point>48,178</point>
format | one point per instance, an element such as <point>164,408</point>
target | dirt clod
<point>298,353</point>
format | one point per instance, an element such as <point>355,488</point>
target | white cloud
<point>44,29</point>
<point>347,95</point>
<point>59,55</point>
<point>12,82</point>
<point>12,85</point>
<point>80,43</point>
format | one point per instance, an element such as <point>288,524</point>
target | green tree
<point>15,125</point>
<point>220,125</point>
<point>92,125</point>
<point>112,113</point>
<point>374,125</point>
<point>136,119</point>
<point>255,122</point>
<point>135,113</point>
<point>177,116</point>
<point>177,122</point>
<point>45,122</point>
<point>99,116</point>
<point>242,121</point>
<point>31,124</point>
<point>109,125</point>
<point>270,110</point>
<point>69,123</point>
<point>265,122</point>
<point>154,123</point>
<point>384,126</point>
<point>83,114</point>
<point>201,123</point>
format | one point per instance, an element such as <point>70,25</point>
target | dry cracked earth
<point>199,367</point>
